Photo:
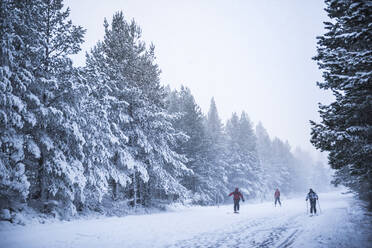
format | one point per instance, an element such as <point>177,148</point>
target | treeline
<point>74,138</point>
<point>224,156</point>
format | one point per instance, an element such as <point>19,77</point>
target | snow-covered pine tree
<point>282,167</point>
<point>108,160</point>
<point>57,132</point>
<point>123,75</point>
<point>278,163</point>
<point>236,168</point>
<point>244,167</point>
<point>264,149</point>
<point>44,82</point>
<point>344,56</point>
<point>24,44</point>
<point>15,76</point>
<point>190,122</point>
<point>248,147</point>
<point>214,173</point>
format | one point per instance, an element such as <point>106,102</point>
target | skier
<point>237,196</point>
<point>313,197</point>
<point>277,197</point>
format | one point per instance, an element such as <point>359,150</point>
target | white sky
<point>252,55</point>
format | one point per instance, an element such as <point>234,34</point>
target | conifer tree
<point>265,154</point>
<point>15,77</point>
<point>57,132</point>
<point>245,169</point>
<point>236,172</point>
<point>191,123</point>
<point>248,147</point>
<point>278,163</point>
<point>344,56</point>
<point>134,106</point>
<point>43,79</point>
<point>214,173</point>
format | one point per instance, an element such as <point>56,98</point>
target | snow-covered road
<point>340,224</point>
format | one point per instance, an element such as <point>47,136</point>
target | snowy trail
<point>258,225</point>
<point>259,233</point>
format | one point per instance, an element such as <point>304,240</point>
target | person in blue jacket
<point>313,197</point>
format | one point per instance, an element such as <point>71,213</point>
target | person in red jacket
<point>277,197</point>
<point>237,196</point>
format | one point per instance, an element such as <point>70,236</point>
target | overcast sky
<point>252,55</point>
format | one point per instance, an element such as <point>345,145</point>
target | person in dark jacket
<point>237,196</point>
<point>313,197</point>
<point>277,197</point>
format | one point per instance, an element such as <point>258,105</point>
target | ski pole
<point>307,208</point>
<point>320,210</point>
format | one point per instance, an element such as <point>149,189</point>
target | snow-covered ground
<point>341,223</point>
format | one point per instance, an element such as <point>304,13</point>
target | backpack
<point>312,196</point>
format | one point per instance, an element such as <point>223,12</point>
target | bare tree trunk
<point>40,177</point>
<point>134,191</point>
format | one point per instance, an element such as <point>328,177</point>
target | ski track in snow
<point>262,233</point>
<point>341,224</point>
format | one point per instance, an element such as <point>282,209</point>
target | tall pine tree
<point>215,167</point>
<point>244,166</point>
<point>43,80</point>
<point>190,122</point>
<point>344,56</point>
<point>135,116</point>
<point>15,76</point>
